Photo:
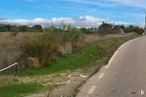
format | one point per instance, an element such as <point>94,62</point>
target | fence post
<point>15,74</point>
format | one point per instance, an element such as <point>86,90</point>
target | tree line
<point>107,28</point>
<point>22,28</point>
<point>103,29</point>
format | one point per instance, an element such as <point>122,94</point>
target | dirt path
<point>57,84</point>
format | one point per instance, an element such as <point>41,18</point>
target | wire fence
<point>15,65</point>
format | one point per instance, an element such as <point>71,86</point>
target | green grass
<point>101,51</point>
<point>16,90</point>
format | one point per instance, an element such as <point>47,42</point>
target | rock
<point>33,62</point>
<point>83,76</point>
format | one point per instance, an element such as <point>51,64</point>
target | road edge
<point>100,67</point>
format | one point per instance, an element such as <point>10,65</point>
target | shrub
<point>135,29</point>
<point>73,35</point>
<point>44,47</point>
<point>104,29</point>
<point>89,30</point>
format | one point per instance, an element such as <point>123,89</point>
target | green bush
<point>46,45</point>
<point>89,30</point>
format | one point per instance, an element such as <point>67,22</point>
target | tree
<point>2,28</point>
<point>136,29</point>
<point>118,29</point>
<point>14,28</point>
<point>89,30</point>
<point>7,28</point>
<point>105,28</point>
<point>37,28</point>
<point>23,28</point>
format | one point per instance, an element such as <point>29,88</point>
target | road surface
<point>124,76</point>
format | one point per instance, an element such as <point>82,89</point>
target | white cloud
<point>62,20</point>
<point>119,23</point>
<point>91,19</point>
<point>39,21</point>
<point>112,3</point>
<point>82,21</point>
<point>30,1</point>
<point>130,3</point>
<point>100,3</point>
<point>16,21</point>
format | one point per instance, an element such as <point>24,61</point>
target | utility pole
<point>145,25</point>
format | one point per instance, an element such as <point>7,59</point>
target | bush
<point>89,30</point>
<point>73,35</point>
<point>45,46</point>
<point>104,29</point>
<point>135,29</point>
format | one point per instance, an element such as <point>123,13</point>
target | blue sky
<point>76,12</point>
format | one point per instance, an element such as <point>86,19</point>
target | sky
<point>74,12</point>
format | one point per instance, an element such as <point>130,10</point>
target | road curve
<point>124,76</point>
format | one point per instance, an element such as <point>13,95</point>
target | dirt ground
<point>55,85</point>
<point>63,84</point>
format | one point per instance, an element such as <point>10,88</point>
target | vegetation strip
<point>96,54</point>
<point>16,90</point>
<point>77,89</point>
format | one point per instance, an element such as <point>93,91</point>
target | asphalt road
<point>124,76</point>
